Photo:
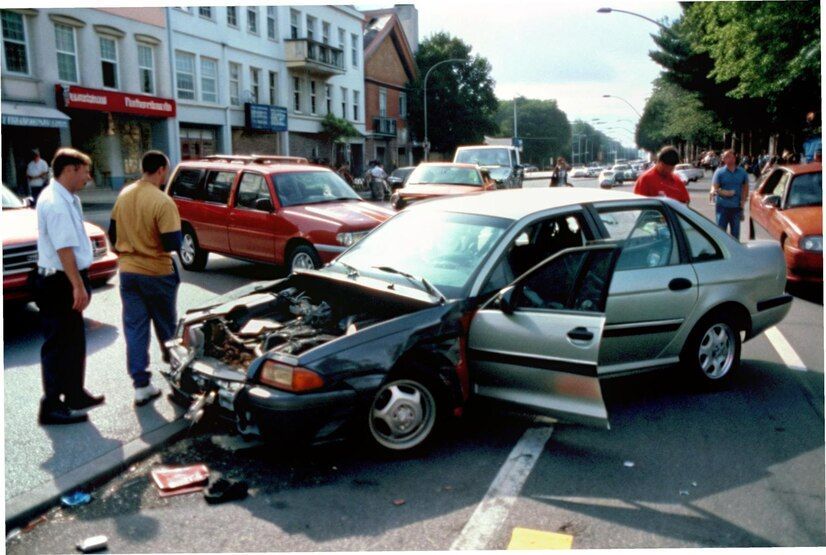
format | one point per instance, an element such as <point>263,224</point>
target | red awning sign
<point>81,98</point>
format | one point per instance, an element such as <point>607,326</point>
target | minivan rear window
<point>187,183</point>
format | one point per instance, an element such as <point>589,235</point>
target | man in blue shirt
<point>62,291</point>
<point>730,185</point>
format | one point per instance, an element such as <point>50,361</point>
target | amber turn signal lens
<point>289,378</point>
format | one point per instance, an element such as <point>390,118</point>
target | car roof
<point>225,165</point>
<point>518,203</point>
<point>483,146</point>
<point>811,167</point>
<point>450,164</point>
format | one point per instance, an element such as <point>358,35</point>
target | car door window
<point>700,246</point>
<point>771,182</point>
<point>218,185</point>
<point>806,190</point>
<point>782,184</point>
<point>572,281</point>
<point>648,241</point>
<point>187,183</point>
<point>253,187</point>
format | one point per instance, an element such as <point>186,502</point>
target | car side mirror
<point>264,204</point>
<point>772,201</point>
<point>505,299</point>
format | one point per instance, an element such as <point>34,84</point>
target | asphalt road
<point>743,466</point>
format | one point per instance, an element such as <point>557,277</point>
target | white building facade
<point>260,79</point>
<point>95,79</point>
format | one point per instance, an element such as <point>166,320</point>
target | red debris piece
<point>180,479</point>
<point>398,502</point>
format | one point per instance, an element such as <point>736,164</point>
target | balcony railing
<point>384,126</point>
<point>313,56</point>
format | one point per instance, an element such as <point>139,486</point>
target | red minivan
<point>274,209</point>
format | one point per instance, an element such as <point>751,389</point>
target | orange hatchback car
<point>440,179</point>
<point>788,203</point>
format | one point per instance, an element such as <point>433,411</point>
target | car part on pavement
<point>75,499</point>
<point>93,544</point>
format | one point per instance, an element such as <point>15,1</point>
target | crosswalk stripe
<point>784,349</point>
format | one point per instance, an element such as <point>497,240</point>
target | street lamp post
<point>424,92</point>
<point>620,98</point>
<point>655,22</point>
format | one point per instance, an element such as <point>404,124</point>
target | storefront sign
<point>27,121</point>
<point>263,117</point>
<point>81,98</point>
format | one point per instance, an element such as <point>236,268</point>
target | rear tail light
<point>289,378</point>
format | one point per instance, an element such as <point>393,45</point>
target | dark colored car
<point>441,179</point>
<point>398,177</point>
<point>20,250</point>
<point>277,210</point>
<point>519,297</point>
<point>788,203</point>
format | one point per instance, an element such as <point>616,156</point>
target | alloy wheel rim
<point>188,249</point>
<point>303,261</point>
<point>402,415</point>
<point>716,352</point>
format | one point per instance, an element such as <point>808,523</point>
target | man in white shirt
<point>62,291</point>
<point>377,177</point>
<point>37,172</point>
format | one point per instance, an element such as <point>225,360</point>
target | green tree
<point>460,99</point>
<point>542,126</point>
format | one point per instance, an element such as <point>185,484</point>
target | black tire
<point>751,228</point>
<point>302,256</point>
<point>712,351</point>
<point>193,257</point>
<point>405,414</point>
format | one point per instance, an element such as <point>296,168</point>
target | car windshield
<point>484,156</point>
<point>446,248</point>
<point>445,175</point>
<point>10,200</point>
<point>311,188</point>
<point>807,190</point>
<point>401,173</point>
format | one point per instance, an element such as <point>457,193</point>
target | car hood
<point>356,215</point>
<point>806,220</point>
<point>432,190</point>
<point>20,226</point>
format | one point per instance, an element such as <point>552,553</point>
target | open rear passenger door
<point>535,345</point>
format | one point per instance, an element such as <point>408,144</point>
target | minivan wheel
<point>193,258</point>
<point>303,257</point>
<point>403,414</point>
<point>712,351</point>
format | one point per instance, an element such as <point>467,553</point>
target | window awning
<point>32,115</point>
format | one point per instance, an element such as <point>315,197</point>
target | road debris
<point>32,523</point>
<point>684,492</point>
<point>694,484</point>
<point>75,499</point>
<point>399,502</point>
<point>234,442</point>
<point>221,489</point>
<point>628,464</point>
<point>13,534</point>
<point>90,545</point>
<point>180,479</point>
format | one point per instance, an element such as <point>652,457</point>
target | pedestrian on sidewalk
<point>730,186</point>
<point>559,177</point>
<point>145,228</point>
<point>377,180</point>
<point>63,291</point>
<point>37,174</point>
<point>661,181</point>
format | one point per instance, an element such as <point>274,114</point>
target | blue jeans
<point>729,218</point>
<point>145,299</point>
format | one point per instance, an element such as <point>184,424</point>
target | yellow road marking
<point>525,538</point>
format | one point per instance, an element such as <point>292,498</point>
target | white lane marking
<point>491,513</point>
<point>784,349</point>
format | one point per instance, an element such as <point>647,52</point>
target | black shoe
<point>61,415</point>
<point>86,401</point>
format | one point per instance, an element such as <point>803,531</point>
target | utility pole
<point>515,132</point>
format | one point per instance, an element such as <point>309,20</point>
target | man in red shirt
<point>660,181</point>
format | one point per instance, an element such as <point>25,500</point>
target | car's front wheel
<point>193,257</point>
<point>712,352</point>
<point>303,257</point>
<point>403,414</point>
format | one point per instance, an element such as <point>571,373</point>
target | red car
<point>20,250</point>
<point>277,210</point>
<point>440,179</point>
<point>788,203</point>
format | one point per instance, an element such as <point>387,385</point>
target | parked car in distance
<point>593,171</point>
<point>530,168</point>
<point>439,179</point>
<point>527,298</point>
<point>691,173</point>
<point>623,172</point>
<point>20,250</point>
<point>579,171</point>
<point>607,179</point>
<point>502,162</point>
<point>398,177</point>
<point>267,209</point>
<point>788,203</point>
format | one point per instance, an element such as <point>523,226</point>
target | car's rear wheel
<point>303,257</point>
<point>751,229</point>
<point>193,257</point>
<point>403,414</point>
<point>712,352</point>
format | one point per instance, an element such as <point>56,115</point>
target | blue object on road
<point>75,499</point>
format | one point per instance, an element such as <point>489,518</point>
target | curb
<point>20,509</point>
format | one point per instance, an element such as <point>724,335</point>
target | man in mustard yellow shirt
<point>145,228</point>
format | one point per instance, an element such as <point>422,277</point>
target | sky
<point>562,50</point>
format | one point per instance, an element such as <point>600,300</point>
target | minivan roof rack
<point>256,159</point>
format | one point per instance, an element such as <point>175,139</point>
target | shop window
<point>218,185</point>
<point>295,16</point>
<point>272,23</point>
<point>135,139</point>
<point>15,47</point>
<point>187,183</point>
<point>197,143</point>
<point>234,84</point>
<point>66,52</point>
<point>146,67</point>
<point>109,62</point>
<point>209,80</point>
<point>185,75</point>
<point>232,16</point>
<point>252,19</point>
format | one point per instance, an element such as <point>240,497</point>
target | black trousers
<point>63,354</point>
